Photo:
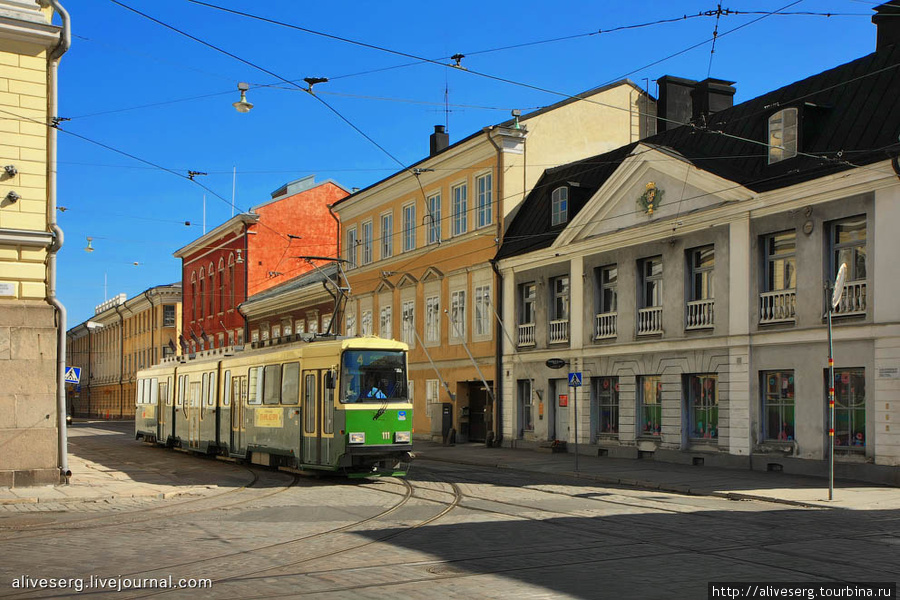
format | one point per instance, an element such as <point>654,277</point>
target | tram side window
<point>255,381</point>
<point>290,383</point>
<point>226,397</point>
<point>154,390</point>
<point>211,396</point>
<point>327,407</point>
<point>309,402</point>
<point>204,389</point>
<point>169,391</point>
<point>182,383</point>
<point>140,392</point>
<point>272,385</point>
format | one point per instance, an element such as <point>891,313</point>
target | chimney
<point>712,95</point>
<point>685,100</point>
<point>439,140</point>
<point>674,104</point>
<point>887,20</point>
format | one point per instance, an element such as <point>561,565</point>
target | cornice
<point>23,21</point>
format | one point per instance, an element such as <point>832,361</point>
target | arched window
<point>221,285</point>
<point>202,296</point>
<point>559,206</point>
<point>194,296</point>
<point>211,290</point>
<point>783,135</point>
<point>231,284</point>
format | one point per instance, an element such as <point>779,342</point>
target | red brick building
<point>250,253</point>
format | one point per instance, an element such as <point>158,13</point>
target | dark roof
<point>849,116</point>
<point>309,278</point>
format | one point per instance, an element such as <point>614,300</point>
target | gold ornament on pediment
<point>650,199</point>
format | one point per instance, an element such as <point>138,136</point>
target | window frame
<point>836,247</point>
<point>852,448</point>
<point>433,319</point>
<point>773,256</point>
<point>525,397</point>
<point>784,141</point>
<point>648,277</point>
<point>409,227</point>
<point>386,322</point>
<point>707,272</point>
<point>387,235</point>
<point>408,321</point>
<point>352,247</point>
<point>433,207</point>
<point>482,316</point>
<point>368,255</point>
<point>706,402</point>
<point>458,316</point>
<point>561,298</point>
<point>528,296</point>
<point>459,198</point>
<point>559,206</point>
<point>484,201</point>
<point>778,393</point>
<point>606,391</point>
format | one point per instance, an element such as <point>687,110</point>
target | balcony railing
<point>778,307</point>
<point>559,331</point>
<point>650,320</point>
<point>605,326</point>
<point>526,334</point>
<point>701,314</point>
<point>853,302</point>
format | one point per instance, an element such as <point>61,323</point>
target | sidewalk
<point>107,464</point>
<point>733,484</point>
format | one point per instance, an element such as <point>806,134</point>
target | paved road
<point>448,531</point>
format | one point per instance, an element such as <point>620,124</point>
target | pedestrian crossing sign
<point>73,374</point>
<point>575,379</point>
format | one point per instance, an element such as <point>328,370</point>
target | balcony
<point>778,307</point>
<point>650,321</point>
<point>559,331</point>
<point>526,335</point>
<point>605,326</point>
<point>853,302</point>
<point>701,314</point>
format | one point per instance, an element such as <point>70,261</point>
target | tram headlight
<point>401,437</point>
<point>358,438</point>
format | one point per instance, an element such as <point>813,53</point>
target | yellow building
<point>419,246</point>
<point>32,320</point>
<point>123,336</point>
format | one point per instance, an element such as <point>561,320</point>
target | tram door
<point>194,408</point>
<point>238,399</point>
<point>311,445</point>
<point>162,405</point>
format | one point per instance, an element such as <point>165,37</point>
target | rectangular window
<point>312,323</point>
<point>386,323</point>
<point>352,248</point>
<point>529,297</point>
<point>290,383</point>
<point>649,400</point>
<point>272,394</point>
<point>286,328</point>
<point>526,406</point>
<point>560,307</point>
<point>409,227</point>
<point>483,310</point>
<point>484,188</point>
<point>783,135</point>
<point>849,410</point>
<point>327,406</point>
<point>276,331</point>
<point>255,392</point>
<point>226,396</point>
<point>606,391</point>
<point>434,219</point>
<point>848,240</point>
<point>367,243</point>
<point>609,286</point>
<point>433,319</point>
<point>169,315</point>
<point>458,315</point>
<point>409,323</point>
<point>651,282</point>
<point>702,398</point>
<point>460,209</point>
<point>781,271</point>
<point>778,405</point>
<point>351,324</point>
<point>326,323</point>
<point>366,323</point>
<point>300,326</point>
<point>387,235</point>
<point>432,394</point>
<point>309,402</point>
<point>703,262</point>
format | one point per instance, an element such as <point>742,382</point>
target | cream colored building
<point>419,246</point>
<point>32,432</point>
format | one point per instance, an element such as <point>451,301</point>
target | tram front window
<point>373,376</point>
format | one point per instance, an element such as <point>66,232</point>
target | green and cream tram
<point>337,404</point>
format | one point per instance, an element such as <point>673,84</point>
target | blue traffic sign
<point>73,374</point>
<point>575,379</point>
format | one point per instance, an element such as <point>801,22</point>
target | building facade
<point>690,293</point>
<point>32,428</point>
<point>250,253</point>
<point>124,336</point>
<point>418,247</point>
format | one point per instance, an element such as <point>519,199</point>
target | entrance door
<point>312,432</point>
<point>477,403</point>
<point>561,400</point>
<point>162,405</point>
<point>194,409</point>
<point>238,398</point>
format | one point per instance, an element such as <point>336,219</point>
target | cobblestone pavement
<point>449,531</point>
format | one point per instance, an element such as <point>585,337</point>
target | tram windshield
<point>376,376</point>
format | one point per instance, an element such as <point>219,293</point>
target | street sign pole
<point>575,403</point>
<point>835,301</point>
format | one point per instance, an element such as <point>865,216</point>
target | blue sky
<point>134,85</point>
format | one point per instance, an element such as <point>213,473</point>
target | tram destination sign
<point>555,363</point>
